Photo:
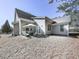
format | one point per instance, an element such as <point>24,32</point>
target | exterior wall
<point>61,21</point>
<point>48,31</point>
<point>41,26</point>
<point>56,29</point>
<point>22,24</point>
<point>47,23</point>
<point>16,18</point>
<point>17,25</point>
<point>16,29</point>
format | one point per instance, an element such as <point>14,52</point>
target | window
<point>27,29</point>
<point>61,27</point>
<point>39,30</point>
<point>49,27</point>
<point>31,29</point>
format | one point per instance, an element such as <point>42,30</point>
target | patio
<point>29,28</point>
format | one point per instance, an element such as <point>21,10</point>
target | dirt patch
<point>52,47</point>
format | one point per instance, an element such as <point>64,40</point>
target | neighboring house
<point>28,23</point>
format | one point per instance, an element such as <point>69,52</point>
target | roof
<point>23,14</point>
<point>61,23</point>
<point>64,19</point>
<point>40,17</point>
<point>46,19</point>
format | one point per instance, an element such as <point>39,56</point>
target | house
<point>27,23</point>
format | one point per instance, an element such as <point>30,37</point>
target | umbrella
<point>29,25</point>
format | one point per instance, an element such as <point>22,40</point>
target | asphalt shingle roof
<point>24,15</point>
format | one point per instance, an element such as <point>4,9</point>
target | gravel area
<point>52,47</point>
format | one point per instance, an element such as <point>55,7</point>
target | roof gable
<point>25,15</point>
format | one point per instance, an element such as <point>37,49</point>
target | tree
<point>51,1</point>
<point>68,6</point>
<point>6,28</point>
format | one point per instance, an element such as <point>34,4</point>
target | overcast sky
<point>35,7</point>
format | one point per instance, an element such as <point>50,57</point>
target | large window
<point>61,27</point>
<point>49,27</point>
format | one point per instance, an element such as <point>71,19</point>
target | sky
<point>35,7</point>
